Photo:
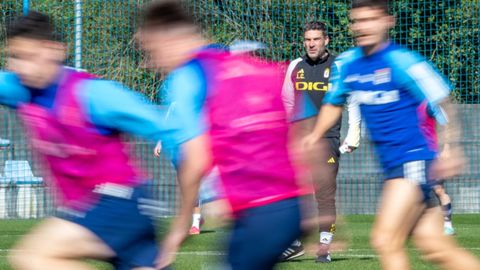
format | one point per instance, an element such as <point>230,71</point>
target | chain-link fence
<point>99,34</point>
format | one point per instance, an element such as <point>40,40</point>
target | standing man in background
<point>306,82</point>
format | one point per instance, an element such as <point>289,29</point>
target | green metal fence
<point>99,34</point>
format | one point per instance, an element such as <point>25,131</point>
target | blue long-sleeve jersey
<point>108,105</point>
<point>389,86</point>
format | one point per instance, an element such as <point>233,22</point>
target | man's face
<point>163,47</point>
<point>370,26</point>
<point>36,62</point>
<point>315,43</point>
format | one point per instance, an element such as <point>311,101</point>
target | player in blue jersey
<point>389,82</point>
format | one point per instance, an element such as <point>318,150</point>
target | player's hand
<point>448,164</point>
<point>170,247</point>
<point>345,148</point>
<point>309,141</point>
<point>446,151</point>
<point>158,149</point>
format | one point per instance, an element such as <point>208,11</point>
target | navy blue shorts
<point>121,220</point>
<point>417,172</point>
<point>261,234</point>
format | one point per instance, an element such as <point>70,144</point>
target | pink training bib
<point>78,156</point>
<point>248,129</point>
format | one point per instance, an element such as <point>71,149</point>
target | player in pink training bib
<point>75,122</point>
<point>233,114</point>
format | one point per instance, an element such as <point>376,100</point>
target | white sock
<point>447,224</point>
<point>196,220</point>
<point>326,238</point>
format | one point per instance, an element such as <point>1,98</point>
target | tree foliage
<point>445,32</point>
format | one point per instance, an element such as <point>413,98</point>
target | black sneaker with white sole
<point>294,251</point>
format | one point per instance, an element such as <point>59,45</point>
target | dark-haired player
<point>230,105</point>
<point>389,83</point>
<point>75,121</point>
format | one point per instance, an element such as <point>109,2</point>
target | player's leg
<point>325,172</point>
<point>196,220</point>
<point>118,228</point>
<point>262,233</point>
<point>400,208</point>
<point>301,161</point>
<point>324,175</point>
<point>439,248</point>
<point>58,244</point>
<point>446,204</point>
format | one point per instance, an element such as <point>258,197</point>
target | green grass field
<point>205,251</point>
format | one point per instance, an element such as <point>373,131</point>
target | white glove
<point>345,148</point>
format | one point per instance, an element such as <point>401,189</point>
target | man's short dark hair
<point>379,4</point>
<point>315,26</point>
<point>166,14</point>
<point>34,25</point>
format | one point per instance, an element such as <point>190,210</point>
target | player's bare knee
<point>384,242</point>
<point>16,260</point>
<point>23,259</point>
<point>433,247</point>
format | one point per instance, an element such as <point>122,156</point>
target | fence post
<point>78,34</point>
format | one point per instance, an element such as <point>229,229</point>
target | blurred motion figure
<point>74,121</point>
<point>389,83</point>
<point>232,111</point>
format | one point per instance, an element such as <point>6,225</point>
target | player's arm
<point>195,161</point>
<point>288,89</point>
<point>426,83</point>
<point>187,91</point>
<point>158,147</point>
<point>11,91</point>
<point>111,106</point>
<point>352,140</point>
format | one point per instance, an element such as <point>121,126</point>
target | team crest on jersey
<point>382,76</point>
<point>326,73</point>
<point>301,74</point>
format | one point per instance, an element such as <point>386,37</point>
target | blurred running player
<point>75,127</point>
<point>389,82</point>
<point>428,126</point>
<point>236,100</point>
<point>305,85</point>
